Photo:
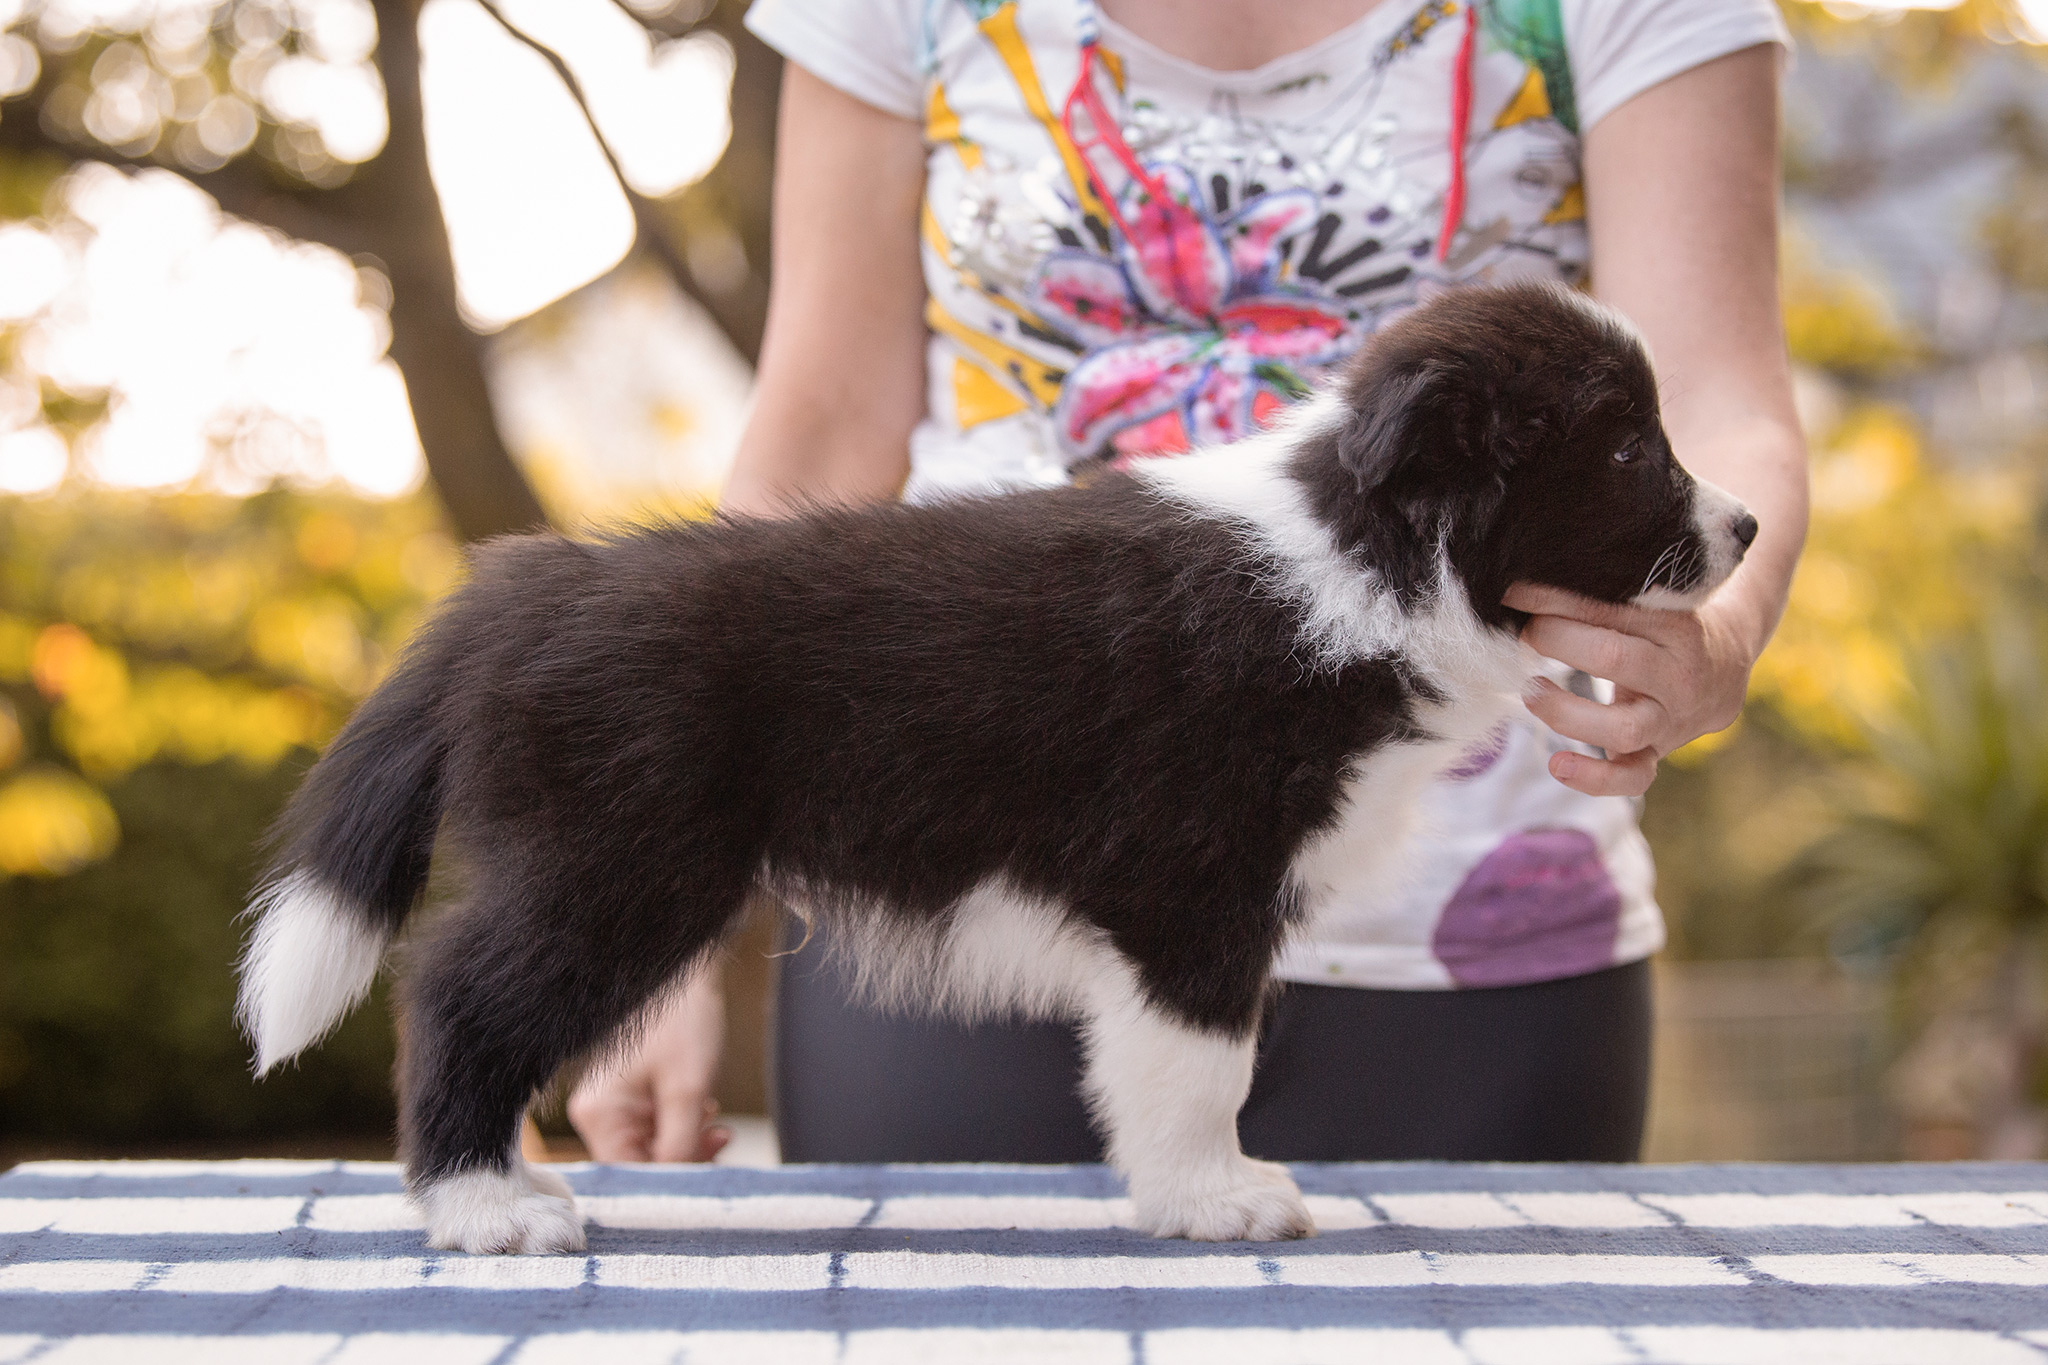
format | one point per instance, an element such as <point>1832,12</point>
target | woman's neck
<point>1234,35</point>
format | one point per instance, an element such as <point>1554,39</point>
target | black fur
<point>1082,690</point>
<point>1499,398</point>
<point>1091,693</point>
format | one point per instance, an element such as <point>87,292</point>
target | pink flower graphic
<point>1191,338</point>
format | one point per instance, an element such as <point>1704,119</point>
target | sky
<point>233,356</point>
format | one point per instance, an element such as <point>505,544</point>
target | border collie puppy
<point>1089,751</point>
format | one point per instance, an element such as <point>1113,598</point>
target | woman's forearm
<point>1682,190</point>
<point>1682,199</point>
<point>1761,460</point>
<point>841,380</point>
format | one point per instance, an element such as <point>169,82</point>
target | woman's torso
<point>1078,322</point>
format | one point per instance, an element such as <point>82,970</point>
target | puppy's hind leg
<point>1166,1094</point>
<point>515,984</point>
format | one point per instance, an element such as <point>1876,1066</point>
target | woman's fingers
<point>1628,775</point>
<point>615,1122</point>
<point>682,1130</point>
<point>1631,661</point>
<point>1633,729</point>
<point>1631,723</point>
<point>654,1106</point>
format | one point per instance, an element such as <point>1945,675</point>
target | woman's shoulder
<point>1620,48</point>
<point>871,49</point>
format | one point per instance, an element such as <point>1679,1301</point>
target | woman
<point>1019,242</point>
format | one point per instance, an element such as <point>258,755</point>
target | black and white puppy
<point>1090,752</point>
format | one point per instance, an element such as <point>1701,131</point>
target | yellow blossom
<point>52,822</point>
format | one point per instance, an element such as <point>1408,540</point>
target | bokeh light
<point>533,210</point>
<point>224,354</point>
<point>186,348</point>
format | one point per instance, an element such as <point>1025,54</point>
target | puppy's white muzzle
<point>1723,530</point>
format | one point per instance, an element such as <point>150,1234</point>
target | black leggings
<point>1556,1071</point>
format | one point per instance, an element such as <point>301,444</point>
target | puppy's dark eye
<point>1629,453</point>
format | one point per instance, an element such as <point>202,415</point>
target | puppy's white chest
<point>1378,818</point>
<point>1375,822</point>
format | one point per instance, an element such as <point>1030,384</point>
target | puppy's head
<point>1514,431</point>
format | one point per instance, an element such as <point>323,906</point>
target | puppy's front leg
<point>1167,1096</point>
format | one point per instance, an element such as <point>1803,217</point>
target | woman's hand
<point>1682,203</point>
<point>655,1104</point>
<point>1677,675</point>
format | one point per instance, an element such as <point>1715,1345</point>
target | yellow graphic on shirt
<point>1571,207</point>
<point>1115,64</point>
<point>941,124</point>
<point>935,238</point>
<point>979,396</point>
<point>1425,19</point>
<point>1038,379</point>
<point>1001,29</point>
<point>1531,101</point>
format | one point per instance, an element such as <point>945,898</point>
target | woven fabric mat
<point>283,1262</point>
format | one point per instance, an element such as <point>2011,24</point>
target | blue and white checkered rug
<point>322,1262</point>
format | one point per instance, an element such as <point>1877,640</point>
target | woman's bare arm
<point>840,385</point>
<point>1682,193</point>
<point>841,380</point>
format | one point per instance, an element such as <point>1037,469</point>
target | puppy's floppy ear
<point>1389,420</point>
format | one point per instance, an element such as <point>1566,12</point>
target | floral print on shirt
<point>1193,317</point>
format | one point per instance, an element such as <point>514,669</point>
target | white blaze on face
<point>1722,529</point>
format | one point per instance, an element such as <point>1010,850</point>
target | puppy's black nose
<point>1745,529</point>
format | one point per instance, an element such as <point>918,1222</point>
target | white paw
<point>1252,1201</point>
<point>498,1212</point>
<point>545,1181</point>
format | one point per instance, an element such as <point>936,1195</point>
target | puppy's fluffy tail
<point>354,845</point>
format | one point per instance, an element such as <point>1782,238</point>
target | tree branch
<point>646,218</point>
<point>657,29</point>
<point>245,195</point>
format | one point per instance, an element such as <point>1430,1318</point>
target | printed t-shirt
<point>1078,322</point>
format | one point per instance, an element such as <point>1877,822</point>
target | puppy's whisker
<point>1667,554</point>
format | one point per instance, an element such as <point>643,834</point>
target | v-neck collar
<point>1387,14</point>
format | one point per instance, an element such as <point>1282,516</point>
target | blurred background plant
<point>1853,872</point>
<point>283,284</point>
<point>297,295</point>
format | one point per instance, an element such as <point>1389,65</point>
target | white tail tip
<point>310,960</point>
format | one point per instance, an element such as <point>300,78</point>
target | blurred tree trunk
<point>712,239</point>
<point>728,210</point>
<point>393,203</point>
<point>388,210</point>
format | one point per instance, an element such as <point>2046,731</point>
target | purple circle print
<point>1539,907</point>
<point>1479,760</point>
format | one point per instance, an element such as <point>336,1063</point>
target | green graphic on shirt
<point>1534,31</point>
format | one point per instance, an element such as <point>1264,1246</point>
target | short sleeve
<point>867,48</point>
<point>1620,48</point>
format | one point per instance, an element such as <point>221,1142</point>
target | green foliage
<point>193,628</point>
<point>167,666</point>
<point>189,85</point>
<point>1943,836</point>
<point>25,181</point>
<point>117,992</point>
